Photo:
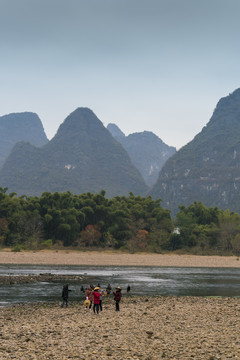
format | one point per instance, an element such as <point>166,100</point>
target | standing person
<point>65,292</point>
<point>128,289</point>
<point>96,300</point>
<point>100,299</point>
<point>117,297</point>
<point>89,296</point>
<point>108,288</point>
<point>102,293</point>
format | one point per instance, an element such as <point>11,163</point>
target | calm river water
<point>142,280</point>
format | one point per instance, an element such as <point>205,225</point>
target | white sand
<point>64,257</point>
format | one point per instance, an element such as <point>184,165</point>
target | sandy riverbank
<point>64,257</point>
<point>161,328</point>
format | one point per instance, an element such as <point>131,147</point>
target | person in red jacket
<point>96,300</point>
<point>117,297</point>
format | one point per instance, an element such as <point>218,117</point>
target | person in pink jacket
<point>96,300</point>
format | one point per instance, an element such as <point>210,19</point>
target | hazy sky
<point>156,65</point>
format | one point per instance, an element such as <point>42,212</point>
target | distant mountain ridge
<point>208,168</point>
<point>146,150</point>
<point>82,157</point>
<point>25,126</point>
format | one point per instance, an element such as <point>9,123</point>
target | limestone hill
<point>208,168</point>
<point>82,157</point>
<point>146,150</point>
<point>16,127</point>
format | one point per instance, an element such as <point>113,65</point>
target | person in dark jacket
<point>117,297</point>
<point>128,289</point>
<point>65,292</point>
<point>108,288</point>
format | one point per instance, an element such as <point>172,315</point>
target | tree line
<point>131,223</point>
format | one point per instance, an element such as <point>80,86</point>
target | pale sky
<point>156,65</point>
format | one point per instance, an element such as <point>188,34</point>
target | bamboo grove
<point>131,223</point>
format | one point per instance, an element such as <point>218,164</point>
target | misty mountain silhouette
<point>146,150</point>
<point>16,127</point>
<point>82,157</point>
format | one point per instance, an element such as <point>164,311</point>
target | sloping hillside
<point>82,157</point>
<point>208,168</point>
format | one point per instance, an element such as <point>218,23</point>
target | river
<point>166,281</point>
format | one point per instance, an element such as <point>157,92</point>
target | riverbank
<point>145,328</point>
<point>66,257</point>
<point>29,279</point>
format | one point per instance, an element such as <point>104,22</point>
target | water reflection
<point>143,281</point>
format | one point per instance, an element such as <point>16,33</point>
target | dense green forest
<point>132,223</point>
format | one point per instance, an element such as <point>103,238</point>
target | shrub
<point>47,244</point>
<point>17,248</point>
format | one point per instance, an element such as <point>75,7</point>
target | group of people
<point>94,296</point>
